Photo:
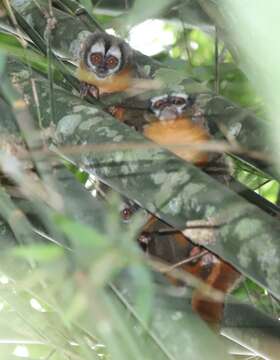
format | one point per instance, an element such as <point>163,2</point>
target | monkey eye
<point>96,58</point>
<point>178,101</point>
<point>126,213</point>
<point>112,62</point>
<point>158,104</point>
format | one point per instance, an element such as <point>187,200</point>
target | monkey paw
<point>87,89</point>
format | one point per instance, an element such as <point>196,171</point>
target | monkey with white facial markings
<point>106,65</point>
<point>176,121</point>
<point>172,124</point>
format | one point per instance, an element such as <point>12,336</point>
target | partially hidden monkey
<point>171,124</point>
<point>160,240</point>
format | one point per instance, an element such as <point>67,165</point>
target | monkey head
<point>105,55</point>
<point>170,106</point>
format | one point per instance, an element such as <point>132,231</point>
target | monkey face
<point>170,107</point>
<point>104,55</point>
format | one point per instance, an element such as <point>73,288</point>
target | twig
<point>141,322</point>
<point>36,102</point>
<point>8,7</point>
<point>51,23</point>
<point>249,294</point>
<point>199,226</point>
<point>217,63</point>
<point>29,184</point>
<point>186,261</point>
<point>189,56</point>
<point>17,221</point>
<point>187,278</point>
<point>207,146</point>
<point>50,355</point>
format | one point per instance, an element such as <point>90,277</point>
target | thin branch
<point>207,146</point>
<point>187,278</point>
<point>217,63</point>
<point>186,261</point>
<point>141,322</point>
<point>51,23</point>
<point>50,355</point>
<point>9,9</point>
<point>189,55</point>
<point>15,218</point>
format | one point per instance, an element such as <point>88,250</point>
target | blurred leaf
<point>10,45</point>
<point>2,63</point>
<point>142,10</point>
<point>88,5</point>
<point>170,77</point>
<point>191,14</point>
<point>270,191</point>
<point>251,34</point>
<point>80,175</point>
<point>81,233</point>
<point>173,190</point>
<point>38,252</point>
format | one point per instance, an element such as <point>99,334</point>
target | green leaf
<point>11,46</point>
<point>80,233</point>
<point>170,77</point>
<point>38,252</point>
<point>2,63</point>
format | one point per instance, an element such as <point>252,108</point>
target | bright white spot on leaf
<point>175,205</point>
<point>177,316</point>
<point>4,279</point>
<point>72,343</point>
<point>89,184</point>
<point>98,346</point>
<point>111,31</point>
<point>151,37</point>
<point>36,305</point>
<point>68,124</point>
<point>1,306</point>
<point>105,327</point>
<point>21,351</point>
<point>194,45</point>
<point>10,165</point>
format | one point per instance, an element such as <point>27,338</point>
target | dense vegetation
<point>74,284</point>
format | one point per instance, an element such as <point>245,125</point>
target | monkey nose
<point>169,113</point>
<point>102,72</point>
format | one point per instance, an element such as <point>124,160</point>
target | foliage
<point>74,284</point>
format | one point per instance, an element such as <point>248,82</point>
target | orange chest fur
<point>178,136</point>
<point>114,83</point>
